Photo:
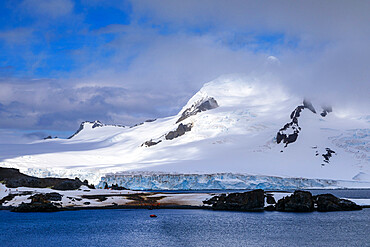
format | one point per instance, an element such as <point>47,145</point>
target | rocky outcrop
<point>329,202</point>
<point>181,129</point>
<point>95,124</point>
<point>205,104</point>
<point>49,137</point>
<point>78,131</point>
<point>150,143</point>
<point>289,133</point>
<point>299,201</point>
<point>247,201</point>
<point>7,198</point>
<point>328,155</point>
<point>284,135</point>
<point>53,196</point>
<point>12,178</point>
<point>146,121</point>
<point>68,184</point>
<point>39,203</point>
<point>46,198</point>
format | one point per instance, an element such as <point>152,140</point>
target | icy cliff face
<point>239,136</point>
<point>218,181</point>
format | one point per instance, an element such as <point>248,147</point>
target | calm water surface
<point>184,228</point>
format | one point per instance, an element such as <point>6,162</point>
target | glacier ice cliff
<point>217,181</point>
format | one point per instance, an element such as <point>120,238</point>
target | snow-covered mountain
<point>233,125</point>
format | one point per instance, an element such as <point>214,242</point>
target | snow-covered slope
<point>230,126</point>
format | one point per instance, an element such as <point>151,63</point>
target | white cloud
<point>145,72</point>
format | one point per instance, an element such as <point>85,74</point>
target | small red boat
<point>153,215</point>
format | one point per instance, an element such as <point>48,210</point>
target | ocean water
<point>191,227</point>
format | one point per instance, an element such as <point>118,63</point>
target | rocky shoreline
<point>22,193</point>
<point>252,201</point>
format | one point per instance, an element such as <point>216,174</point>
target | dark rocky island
<point>247,201</point>
<point>299,201</point>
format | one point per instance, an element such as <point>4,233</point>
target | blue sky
<point>45,43</point>
<point>52,36</point>
<point>64,61</point>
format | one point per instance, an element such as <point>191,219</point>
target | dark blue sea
<point>191,227</point>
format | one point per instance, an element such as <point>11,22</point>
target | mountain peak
<point>85,124</point>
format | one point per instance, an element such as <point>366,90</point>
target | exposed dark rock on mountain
<point>328,155</point>
<point>12,178</point>
<point>150,143</point>
<point>329,202</point>
<point>96,124</point>
<point>138,124</point>
<point>78,131</point>
<point>181,129</point>
<point>299,201</point>
<point>202,105</point>
<point>146,121</point>
<point>247,201</point>
<point>326,110</point>
<point>307,104</point>
<point>284,135</point>
<point>289,133</point>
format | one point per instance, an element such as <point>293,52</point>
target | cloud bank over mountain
<point>122,62</point>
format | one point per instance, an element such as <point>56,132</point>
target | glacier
<point>219,181</point>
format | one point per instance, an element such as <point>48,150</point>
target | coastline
<point>89,199</point>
